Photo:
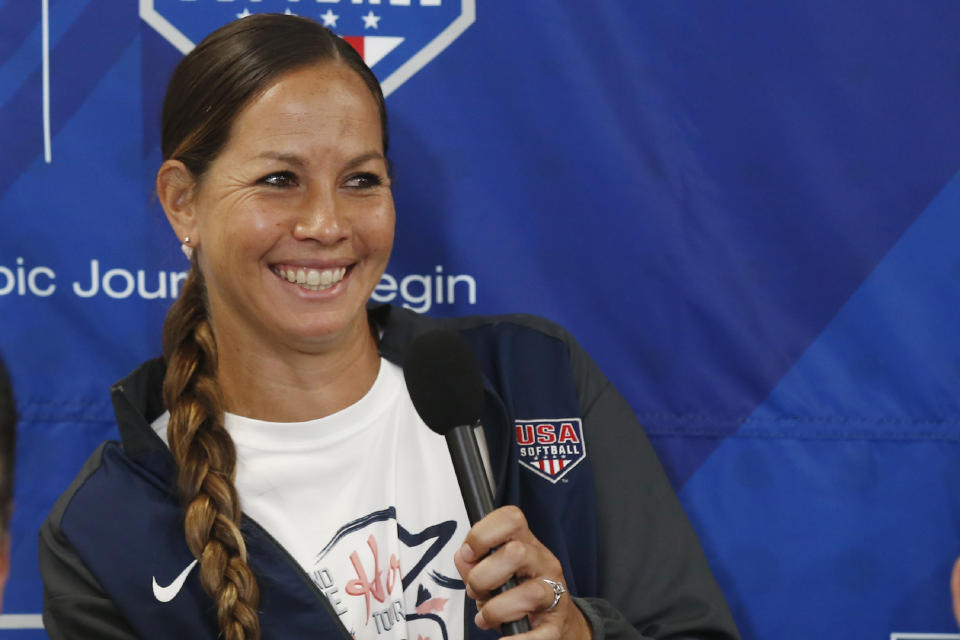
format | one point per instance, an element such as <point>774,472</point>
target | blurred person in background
<point>7,419</point>
<point>955,589</point>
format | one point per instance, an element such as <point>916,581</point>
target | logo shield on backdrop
<point>396,38</point>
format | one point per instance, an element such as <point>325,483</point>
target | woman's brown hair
<point>207,91</point>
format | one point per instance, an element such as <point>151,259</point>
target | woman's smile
<point>309,278</point>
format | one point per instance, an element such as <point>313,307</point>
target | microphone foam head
<point>443,380</point>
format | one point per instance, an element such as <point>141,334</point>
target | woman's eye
<point>363,181</point>
<point>280,179</point>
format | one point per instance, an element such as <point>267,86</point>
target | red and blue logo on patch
<point>396,38</point>
<point>550,448</point>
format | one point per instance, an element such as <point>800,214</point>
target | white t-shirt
<point>367,501</point>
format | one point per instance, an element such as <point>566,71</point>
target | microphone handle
<point>477,497</point>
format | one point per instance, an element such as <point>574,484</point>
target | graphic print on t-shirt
<point>376,573</point>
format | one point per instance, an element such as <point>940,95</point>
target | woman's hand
<point>521,555</point>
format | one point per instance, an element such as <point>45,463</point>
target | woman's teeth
<point>312,279</point>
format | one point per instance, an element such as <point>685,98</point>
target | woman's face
<point>295,216</point>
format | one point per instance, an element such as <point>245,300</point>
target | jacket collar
<point>398,328</point>
<point>137,402</point>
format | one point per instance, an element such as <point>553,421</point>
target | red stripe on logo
<point>356,42</point>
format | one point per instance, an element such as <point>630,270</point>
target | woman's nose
<point>320,219</point>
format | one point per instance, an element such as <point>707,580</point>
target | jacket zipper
<point>254,525</point>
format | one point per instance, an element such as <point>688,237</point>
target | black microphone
<point>444,383</point>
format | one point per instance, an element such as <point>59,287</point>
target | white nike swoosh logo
<point>168,593</point>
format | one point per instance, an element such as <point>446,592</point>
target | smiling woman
<point>274,477</point>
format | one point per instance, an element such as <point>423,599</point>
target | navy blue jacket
<point>628,552</point>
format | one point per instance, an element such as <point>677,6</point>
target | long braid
<point>206,462</point>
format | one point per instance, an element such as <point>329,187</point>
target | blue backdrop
<point>747,212</point>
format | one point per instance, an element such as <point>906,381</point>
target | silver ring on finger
<point>558,590</point>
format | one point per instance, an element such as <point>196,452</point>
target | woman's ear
<point>175,185</point>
